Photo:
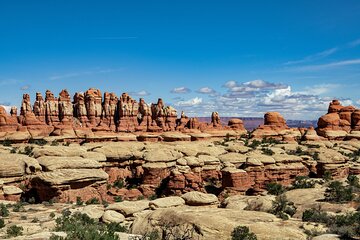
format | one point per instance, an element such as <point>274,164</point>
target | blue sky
<point>239,58</point>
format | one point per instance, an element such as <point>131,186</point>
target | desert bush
<point>18,207</point>
<point>303,182</point>
<point>4,211</point>
<point>93,200</point>
<point>2,223</point>
<point>315,215</point>
<point>242,233</point>
<point>40,142</point>
<point>283,208</point>
<point>7,142</point>
<point>336,192</point>
<point>118,199</point>
<point>80,226</point>
<point>327,176</point>
<point>316,156</point>
<point>275,188</point>
<point>353,181</point>
<point>14,231</point>
<point>54,143</point>
<point>119,183</point>
<point>254,144</point>
<point>267,151</point>
<point>79,202</point>
<point>28,150</point>
<point>270,141</point>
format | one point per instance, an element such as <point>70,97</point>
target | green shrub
<point>54,143</point>
<point>118,199</point>
<point>18,207</point>
<point>267,151</point>
<point>274,188</point>
<point>79,202</point>
<point>315,215</point>
<point>40,142</point>
<point>353,181</point>
<point>7,142</point>
<point>242,233</point>
<point>254,144</point>
<point>2,223</point>
<point>119,183</point>
<point>303,182</point>
<point>14,231</point>
<point>93,200</point>
<point>4,211</point>
<point>13,150</point>
<point>52,215</point>
<point>80,226</point>
<point>28,150</point>
<point>336,192</point>
<point>283,208</point>
<point>346,225</point>
<point>35,220</point>
<point>327,176</point>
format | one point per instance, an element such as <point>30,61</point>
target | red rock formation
<point>39,107</point>
<point>51,108</point>
<point>274,127</point>
<point>128,111</point>
<point>236,124</point>
<point>7,123</point>
<point>93,104</point>
<point>339,121</point>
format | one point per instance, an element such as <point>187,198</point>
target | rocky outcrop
<point>275,127</point>
<point>340,122</point>
<point>94,117</point>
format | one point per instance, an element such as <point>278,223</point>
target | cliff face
<point>92,114</point>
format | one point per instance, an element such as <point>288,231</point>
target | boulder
<point>196,198</point>
<point>94,211</point>
<point>51,163</point>
<point>110,216</point>
<point>129,208</point>
<point>167,202</point>
<point>69,176</point>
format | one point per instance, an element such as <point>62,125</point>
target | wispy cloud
<point>9,82</point>
<point>180,90</point>
<point>25,87</point>
<point>325,53</point>
<point>354,43</point>
<point>140,93</point>
<point>83,73</point>
<point>314,57</point>
<point>317,67</point>
<point>114,38</point>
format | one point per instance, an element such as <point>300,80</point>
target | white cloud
<point>26,87</point>
<point>320,89</point>
<point>180,90</point>
<point>140,93</point>
<point>206,90</point>
<point>254,98</point>
<point>7,108</point>
<point>191,102</point>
